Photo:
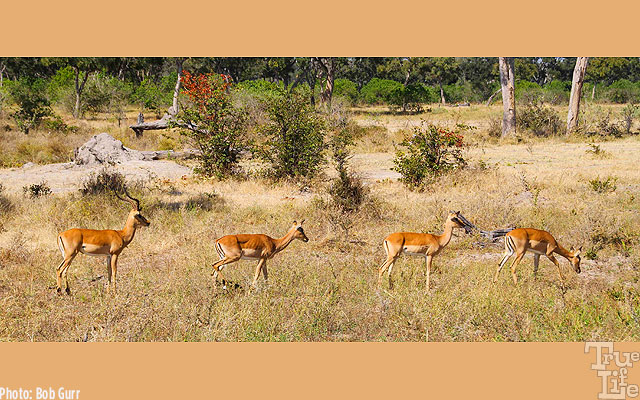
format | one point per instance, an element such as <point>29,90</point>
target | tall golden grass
<point>326,289</point>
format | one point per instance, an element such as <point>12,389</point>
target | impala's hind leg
<point>387,265</point>
<point>515,265</point>
<point>508,252</point>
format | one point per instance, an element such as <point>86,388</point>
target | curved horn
<point>137,202</point>
<point>134,202</point>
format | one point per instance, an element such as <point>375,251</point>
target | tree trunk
<point>442,99</point>
<point>593,91</point>
<point>79,86</point>
<point>2,68</point>
<point>576,93</point>
<point>328,67</point>
<point>507,81</point>
<point>173,110</point>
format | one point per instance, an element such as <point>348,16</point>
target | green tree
<point>294,137</point>
<point>213,123</point>
<point>605,70</point>
<point>442,71</point>
<point>33,105</point>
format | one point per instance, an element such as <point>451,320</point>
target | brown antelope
<point>521,240</point>
<point>417,244</point>
<point>109,243</point>
<point>232,248</point>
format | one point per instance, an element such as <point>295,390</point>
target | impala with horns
<point>418,244</point>
<point>538,242</point>
<point>108,243</point>
<point>232,248</point>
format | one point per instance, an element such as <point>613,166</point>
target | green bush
<point>155,96</point>
<point>526,91</point>
<point>54,123</point>
<point>261,88</point>
<point>457,93</point>
<point>409,97</point>
<point>623,91</point>
<point>431,151</point>
<point>380,91</point>
<point>294,137</point>
<point>60,88</point>
<point>347,191</point>
<point>106,94</point>
<point>346,89</point>
<point>539,119</point>
<point>33,105</point>
<point>557,92</point>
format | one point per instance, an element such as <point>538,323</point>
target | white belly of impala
<point>92,250</point>
<point>414,254</point>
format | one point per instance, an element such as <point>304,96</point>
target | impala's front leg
<point>114,271</point>
<point>536,263</point>
<point>428,260</point>
<point>109,270</point>
<point>265,273</point>
<point>258,269</point>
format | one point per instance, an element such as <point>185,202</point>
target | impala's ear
<point>457,212</point>
<point>295,222</point>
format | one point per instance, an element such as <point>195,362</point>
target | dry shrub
<point>103,182</point>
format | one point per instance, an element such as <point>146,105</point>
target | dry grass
<point>326,289</point>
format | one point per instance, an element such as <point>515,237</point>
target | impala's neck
<point>284,241</point>
<point>129,231</point>
<point>444,239</point>
<point>564,252</point>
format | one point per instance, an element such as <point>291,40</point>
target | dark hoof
<point>68,291</point>
<point>59,290</point>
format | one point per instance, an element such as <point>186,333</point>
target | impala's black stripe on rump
<point>219,250</point>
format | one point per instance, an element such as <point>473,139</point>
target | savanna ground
<point>326,289</point>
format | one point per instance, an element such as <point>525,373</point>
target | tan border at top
<point>319,28</point>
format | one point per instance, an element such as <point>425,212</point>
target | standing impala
<point>109,243</point>
<point>417,244</point>
<point>232,248</point>
<point>521,240</point>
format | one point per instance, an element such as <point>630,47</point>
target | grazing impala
<point>521,240</point>
<point>417,244</point>
<point>232,248</point>
<point>109,243</point>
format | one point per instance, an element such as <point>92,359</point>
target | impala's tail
<point>61,245</point>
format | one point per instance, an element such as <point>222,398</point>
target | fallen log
<point>170,154</point>
<point>141,126</point>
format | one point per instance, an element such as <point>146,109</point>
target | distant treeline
<point>106,83</point>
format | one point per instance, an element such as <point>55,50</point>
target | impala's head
<point>455,219</point>
<point>135,213</point>
<point>575,259</point>
<point>299,232</point>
